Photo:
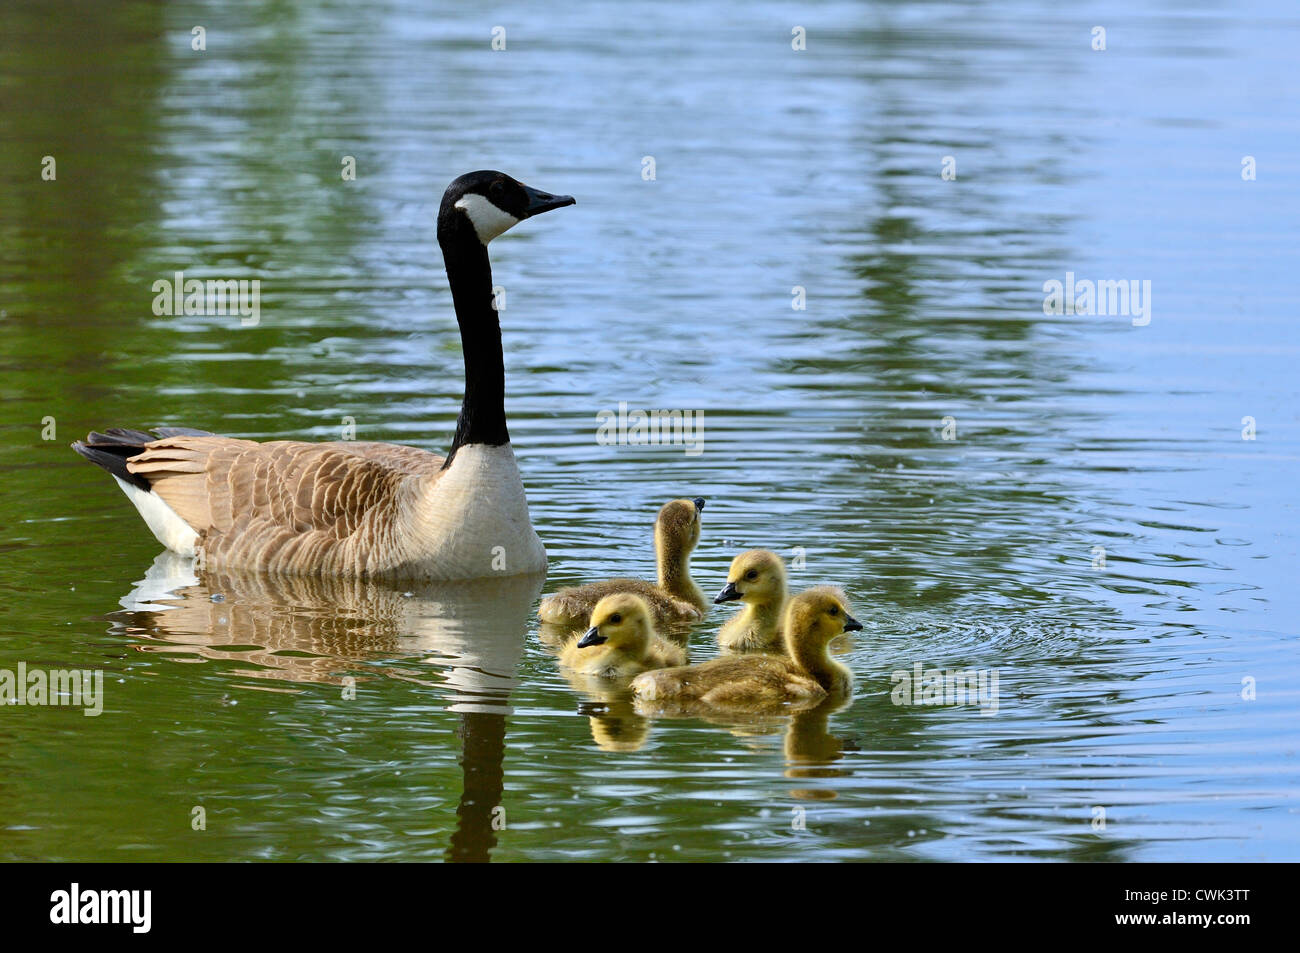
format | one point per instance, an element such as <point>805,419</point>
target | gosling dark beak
<point>593,637</point>
<point>699,504</point>
<point>539,202</point>
<point>851,624</point>
<point>728,594</point>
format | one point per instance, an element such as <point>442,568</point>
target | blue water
<point>1146,707</point>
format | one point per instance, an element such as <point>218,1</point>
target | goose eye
<point>616,618</point>
<point>752,574</point>
<point>496,187</point>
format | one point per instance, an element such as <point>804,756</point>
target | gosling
<point>621,641</point>
<point>756,577</point>
<point>676,598</point>
<point>805,673</point>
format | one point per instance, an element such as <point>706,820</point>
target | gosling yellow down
<point>676,598</point>
<point>621,641</point>
<point>757,578</point>
<point>806,672</point>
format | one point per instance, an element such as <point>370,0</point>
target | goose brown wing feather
<point>284,505</point>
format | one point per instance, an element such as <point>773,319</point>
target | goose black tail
<point>112,448</point>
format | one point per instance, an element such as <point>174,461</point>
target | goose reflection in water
<point>464,638</point>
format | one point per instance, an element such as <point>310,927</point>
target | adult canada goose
<point>805,673</point>
<point>756,576</point>
<point>620,642</point>
<point>676,598</point>
<point>348,508</point>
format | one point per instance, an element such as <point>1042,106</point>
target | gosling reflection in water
<point>811,749</point>
<point>621,723</point>
<point>615,724</point>
<point>464,638</point>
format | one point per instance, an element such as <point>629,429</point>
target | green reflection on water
<point>824,433</point>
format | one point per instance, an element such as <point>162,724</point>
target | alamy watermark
<point>215,296</point>
<point>638,428</point>
<point>74,688</point>
<point>932,686</point>
<point>1127,298</point>
<point>73,906</point>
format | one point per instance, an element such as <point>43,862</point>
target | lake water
<point>1089,521</point>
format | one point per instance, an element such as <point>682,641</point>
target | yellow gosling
<point>805,672</point>
<point>621,641</point>
<point>757,578</point>
<point>676,597</point>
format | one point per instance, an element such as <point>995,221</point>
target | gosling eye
<point>752,574</point>
<point>835,610</point>
<point>616,618</point>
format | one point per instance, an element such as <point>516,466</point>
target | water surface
<point>1120,686</point>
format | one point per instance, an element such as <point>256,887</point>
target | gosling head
<point>485,204</point>
<point>621,621</point>
<point>677,527</point>
<point>816,616</point>
<point>757,576</point>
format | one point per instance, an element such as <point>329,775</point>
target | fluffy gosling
<point>757,578</point>
<point>676,597</point>
<point>805,672</point>
<point>621,641</point>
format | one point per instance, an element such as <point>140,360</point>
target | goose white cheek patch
<point>488,220</point>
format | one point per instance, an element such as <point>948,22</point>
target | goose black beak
<point>539,202</point>
<point>699,504</point>
<point>851,624</point>
<point>593,637</point>
<point>728,594</point>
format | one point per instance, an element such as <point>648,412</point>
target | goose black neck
<point>483,412</point>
